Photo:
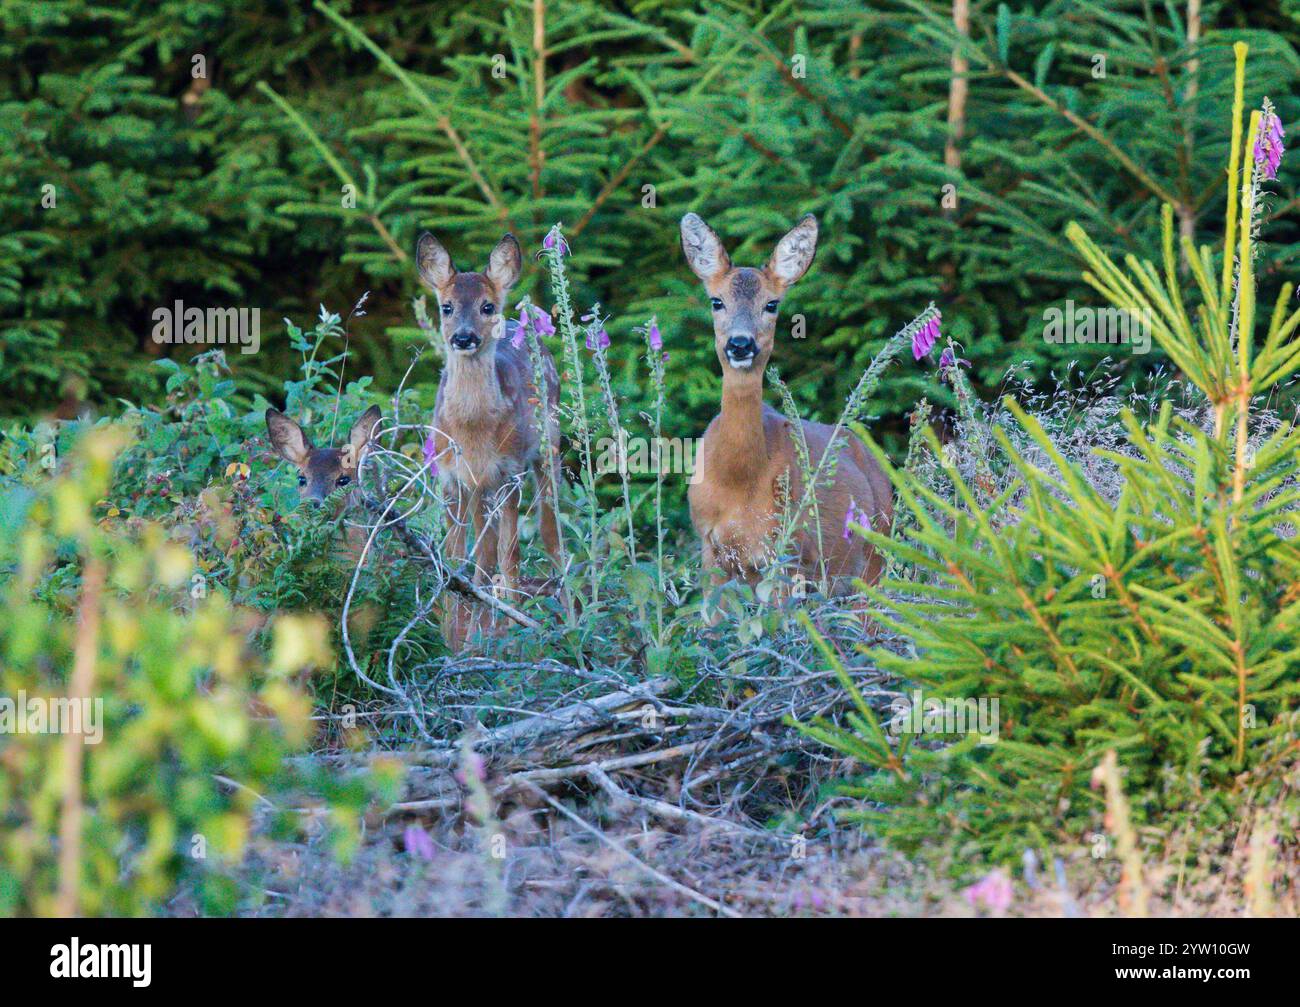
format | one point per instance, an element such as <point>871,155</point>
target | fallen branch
<point>659,876</point>
<point>575,720</point>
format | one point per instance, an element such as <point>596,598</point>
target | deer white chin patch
<point>741,365</point>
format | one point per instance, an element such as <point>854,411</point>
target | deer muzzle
<point>741,351</point>
<point>465,340</point>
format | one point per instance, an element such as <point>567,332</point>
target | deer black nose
<point>741,347</point>
<point>465,339</point>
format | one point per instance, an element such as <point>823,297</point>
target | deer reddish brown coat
<point>486,435</point>
<point>748,453</point>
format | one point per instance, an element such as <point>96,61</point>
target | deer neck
<point>741,450</point>
<point>473,389</point>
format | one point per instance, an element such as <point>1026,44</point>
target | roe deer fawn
<point>747,454</point>
<point>323,470</point>
<point>485,429</point>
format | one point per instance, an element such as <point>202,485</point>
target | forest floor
<point>635,868</point>
<point>608,858</point>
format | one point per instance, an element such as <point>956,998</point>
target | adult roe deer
<point>748,451</point>
<point>486,436</point>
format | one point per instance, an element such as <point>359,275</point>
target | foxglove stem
<point>1245,312</point>
<point>555,249</point>
<point>655,358</point>
<point>542,416</point>
<point>615,425</point>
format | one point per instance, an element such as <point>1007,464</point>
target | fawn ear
<point>287,438</point>
<point>362,431</point>
<point>433,262</point>
<point>505,264</point>
<point>704,252</point>
<point>794,253</point>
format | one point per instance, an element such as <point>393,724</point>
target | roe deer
<point>485,429</point>
<point>747,453</point>
<point>323,470</point>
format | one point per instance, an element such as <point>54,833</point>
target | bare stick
<point>83,679</point>
<point>659,876</point>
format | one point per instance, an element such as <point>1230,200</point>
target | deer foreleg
<point>546,490</point>
<point>508,538</point>
<point>485,546</point>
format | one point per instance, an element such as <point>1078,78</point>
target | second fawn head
<point>471,305</point>
<point>745,300</point>
<point>321,471</point>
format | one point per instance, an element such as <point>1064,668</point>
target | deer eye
<point>446,309</point>
<point>488,308</point>
<point>343,480</point>
<point>771,306</point>
<point>302,480</point>
<point>716,302</point>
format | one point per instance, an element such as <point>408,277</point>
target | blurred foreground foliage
<point>195,701</point>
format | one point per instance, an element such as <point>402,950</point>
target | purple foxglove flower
<point>518,330</point>
<point>1268,143</point>
<point>656,340</point>
<point>949,360</point>
<point>924,338</point>
<point>431,455</point>
<point>552,239</point>
<point>993,892</point>
<point>418,843</point>
<point>853,516</point>
<point>598,339</point>
<point>542,322</point>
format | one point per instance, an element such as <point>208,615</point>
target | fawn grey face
<point>322,470</point>
<point>744,299</point>
<point>471,305</point>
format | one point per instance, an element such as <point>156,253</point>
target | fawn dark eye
<point>343,480</point>
<point>302,480</point>
<point>488,308</point>
<point>446,309</point>
<point>771,306</point>
<point>716,302</point>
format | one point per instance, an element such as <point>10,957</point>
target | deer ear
<point>433,262</point>
<point>704,252</point>
<point>287,438</point>
<point>794,253</point>
<point>505,264</point>
<point>362,432</point>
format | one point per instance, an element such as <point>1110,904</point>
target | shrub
<point>187,722</point>
<point>1159,621</point>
